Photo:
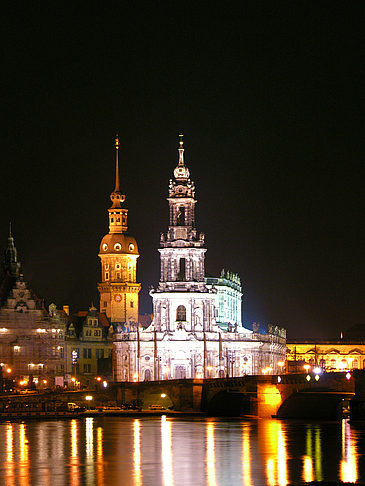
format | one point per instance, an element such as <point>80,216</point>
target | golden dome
<point>118,243</point>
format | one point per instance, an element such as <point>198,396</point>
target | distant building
<point>89,346</point>
<point>347,353</point>
<point>32,340</point>
<point>184,340</point>
<point>228,299</point>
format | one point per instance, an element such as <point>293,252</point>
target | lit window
<point>117,247</point>
<point>105,247</point>
<point>131,247</point>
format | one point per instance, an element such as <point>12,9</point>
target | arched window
<point>147,375</point>
<point>181,313</point>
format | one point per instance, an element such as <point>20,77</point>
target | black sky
<point>269,97</point>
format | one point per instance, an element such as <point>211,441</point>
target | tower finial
<point>181,149</point>
<point>116,163</point>
<point>10,235</point>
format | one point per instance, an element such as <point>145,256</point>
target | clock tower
<point>118,253</point>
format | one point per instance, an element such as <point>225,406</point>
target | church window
<point>181,274</point>
<point>132,303</point>
<point>117,266</point>
<point>112,220</point>
<point>105,304</point>
<point>106,276</point>
<point>181,313</point>
<point>117,247</point>
<point>106,266</point>
<point>180,218</point>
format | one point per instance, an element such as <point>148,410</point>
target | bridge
<point>284,396</point>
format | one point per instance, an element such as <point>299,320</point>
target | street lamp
<point>306,367</point>
<point>209,368</point>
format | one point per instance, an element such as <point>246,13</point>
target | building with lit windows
<point>32,339</point>
<point>184,339</point>
<point>347,353</point>
<point>89,346</point>
<point>228,299</point>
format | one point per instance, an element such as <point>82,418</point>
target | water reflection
<point>99,456</point>
<point>210,459</point>
<point>23,455</point>
<point>348,467</point>
<point>167,451</point>
<point>9,465</point>
<point>74,460</point>
<point>276,462</point>
<point>137,452</point>
<point>246,459</point>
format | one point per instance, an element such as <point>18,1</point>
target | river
<point>179,451</point>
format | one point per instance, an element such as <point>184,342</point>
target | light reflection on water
<point>169,451</point>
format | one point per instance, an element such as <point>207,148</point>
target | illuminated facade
<point>118,254</point>
<point>228,301</point>
<point>331,355</point>
<point>89,346</point>
<point>32,339</point>
<point>184,340</point>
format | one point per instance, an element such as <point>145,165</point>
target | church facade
<point>184,339</point>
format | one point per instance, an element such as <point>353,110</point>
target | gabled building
<point>32,339</point>
<point>89,346</point>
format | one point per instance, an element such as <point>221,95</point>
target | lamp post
<point>209,368</point>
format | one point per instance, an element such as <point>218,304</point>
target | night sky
<point>269,97</point>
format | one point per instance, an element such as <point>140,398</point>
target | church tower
<point>118,254</point>
<point>182,299</point>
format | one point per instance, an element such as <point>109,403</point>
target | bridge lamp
<point>281,365</point>
<point>105,384</point>
<point>306,367</point>
<point>264,371</point>
<point>279,379</point>
<point>348,376</point>
<point>317,377</point>
<point>88,398</point>
<point>163,395</point>
<point>209,368</point>
<point>317,371</point>
<point>8,370</point>
<point>269,369</point>
<point>308,378</point>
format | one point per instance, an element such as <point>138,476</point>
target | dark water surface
<point>174,451</point>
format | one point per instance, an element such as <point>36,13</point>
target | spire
<point>116,196</point>
<point>181,150</point>
<point>116,164</point>
<point>181,172</point>
<point>10,261</point>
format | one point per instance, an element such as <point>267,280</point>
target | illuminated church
<point>184,339</point>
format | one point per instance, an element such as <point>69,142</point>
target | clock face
<point>118,297</point>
